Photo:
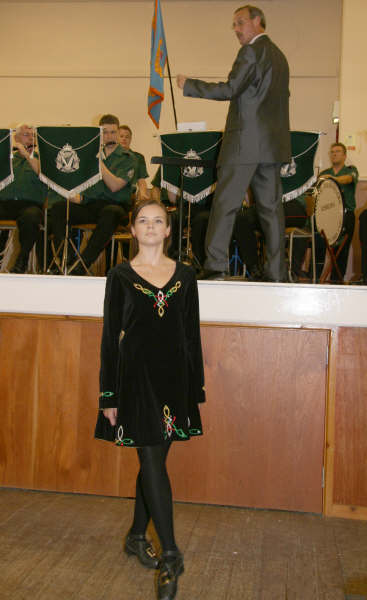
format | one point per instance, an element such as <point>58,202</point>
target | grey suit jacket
<point>257,126</point>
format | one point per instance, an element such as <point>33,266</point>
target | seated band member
<point>347,177</point>
<point>141,173</point>
<point>244,232</point>
<point>23,199</point>
<point>107,203</point>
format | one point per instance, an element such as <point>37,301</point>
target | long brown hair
<point>134,215</point>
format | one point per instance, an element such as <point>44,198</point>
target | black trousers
<point>349,222</point>
<point>247,223</point>
<point>104,213</point>
<point>28,216</point>
<point>233,182</point>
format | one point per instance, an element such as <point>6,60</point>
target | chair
<point>305,232</point>
<point>121,235</point>
<point>6,255</point>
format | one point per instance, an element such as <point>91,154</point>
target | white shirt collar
<point>256,38</point>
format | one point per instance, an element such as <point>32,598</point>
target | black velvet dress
<point>151,359</point>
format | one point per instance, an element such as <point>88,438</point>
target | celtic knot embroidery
<point>160,298</point>
<point>169,423</point>
<point>120,440</point>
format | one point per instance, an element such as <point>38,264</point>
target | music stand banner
<point>298,176</point>
<point>6,163</point>
<point>69,158</point>
<point>198,182</point>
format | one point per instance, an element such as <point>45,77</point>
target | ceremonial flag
<point>298,176</point>
<point>158,58</point>
<point>6,163</point>
<point>198,182</point>
<point>69,158</point>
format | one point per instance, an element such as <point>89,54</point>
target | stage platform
<point>291,305</point>
<point>286,381</point>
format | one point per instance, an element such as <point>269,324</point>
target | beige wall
<point>353,88</point>
<point>69,62</point>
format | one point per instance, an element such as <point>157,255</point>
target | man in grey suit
<point>256,142</point>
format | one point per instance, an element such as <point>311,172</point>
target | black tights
<point>154,496</point>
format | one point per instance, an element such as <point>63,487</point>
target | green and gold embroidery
<point>120,440</point>
<point>169,424</point>
<point>160,298</point>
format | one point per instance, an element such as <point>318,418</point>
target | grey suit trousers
<point>233,182</point>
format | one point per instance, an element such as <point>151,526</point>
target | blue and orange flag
<point>158,58</point>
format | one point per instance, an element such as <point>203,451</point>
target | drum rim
<point>316,192</point>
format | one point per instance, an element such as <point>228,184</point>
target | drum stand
<point>333,257</point>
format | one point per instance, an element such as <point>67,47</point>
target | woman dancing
<point>151,378</point>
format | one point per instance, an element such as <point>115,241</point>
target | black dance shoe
<point>139,546</point>
<point>170,567</point>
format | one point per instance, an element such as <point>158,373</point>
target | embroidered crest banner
<point>69,158</point>
<point>198,182</point>
<point>6,163</point>
<point>298,176</point>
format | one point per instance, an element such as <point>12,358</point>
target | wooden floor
<point>68,547</point>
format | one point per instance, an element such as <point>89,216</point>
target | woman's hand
<point>111,415</point>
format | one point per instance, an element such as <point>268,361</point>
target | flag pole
<point>172,96</point>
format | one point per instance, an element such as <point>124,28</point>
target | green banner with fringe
<point>69,158</point>
<point>6,162</point>
<point>198,182</point>
<point>298,176</point>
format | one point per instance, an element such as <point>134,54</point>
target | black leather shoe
<point>255,274</point>
<point>171,566</point>
<point>20,264</point>
<point>139,546</point>
<point>212,275</point>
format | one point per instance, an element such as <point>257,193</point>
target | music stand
<point>65,268</point>
<point>181,163</point>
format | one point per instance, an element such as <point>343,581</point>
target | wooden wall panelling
<point>19,355</point>
<point>350,453</point>
<point>264,421</point>
<point>59,402</point>
<point>330,423</point>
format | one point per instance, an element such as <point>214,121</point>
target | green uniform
<point>348,189</point>
<point>26,184</point>
<point>122,164</point>
<point>141,167</point>
<point>22,200</point>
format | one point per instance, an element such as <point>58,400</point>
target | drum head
<point>329,209</point>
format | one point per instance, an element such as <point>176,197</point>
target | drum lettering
<point>328,206</point>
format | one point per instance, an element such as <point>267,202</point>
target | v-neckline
<point>150,283</point>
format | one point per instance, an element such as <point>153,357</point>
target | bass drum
<point>329,209</point>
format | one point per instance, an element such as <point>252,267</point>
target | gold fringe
<point>6,181</point>
<point>77,190</point>
<point>193,199</point>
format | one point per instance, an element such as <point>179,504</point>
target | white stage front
<point>294,305</point>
